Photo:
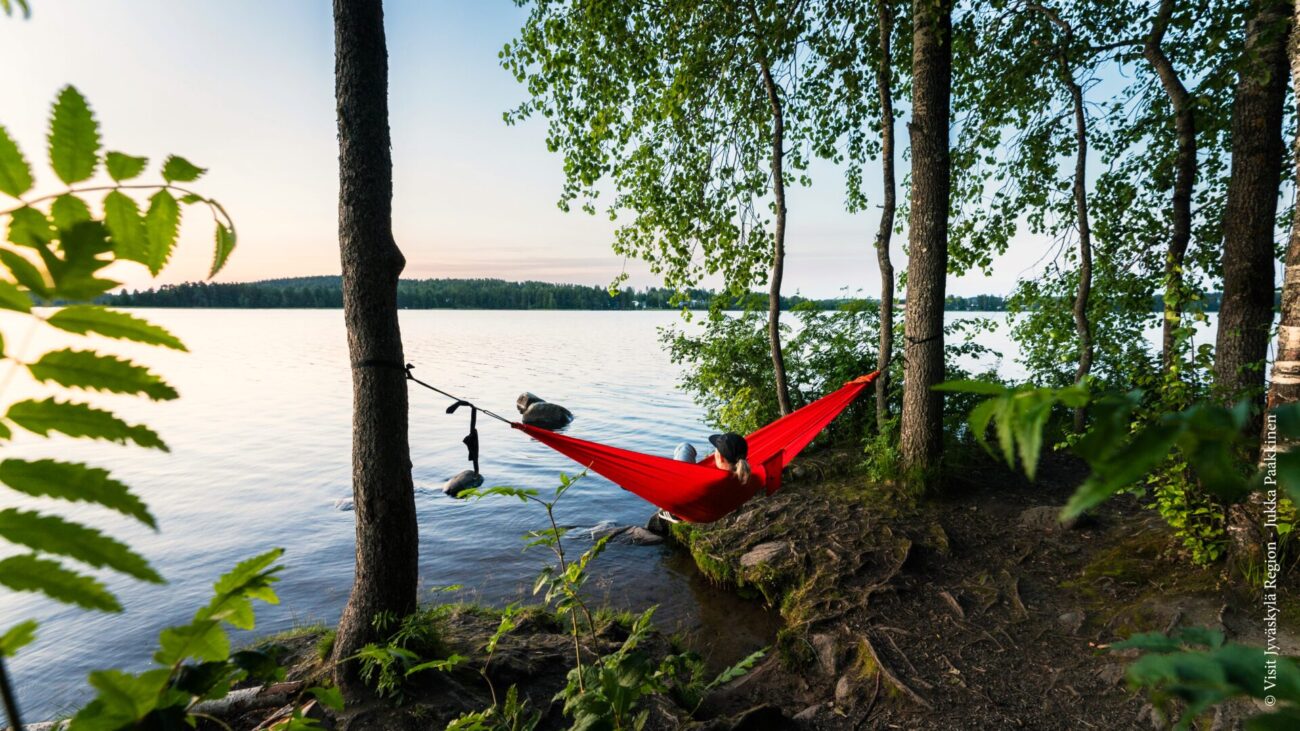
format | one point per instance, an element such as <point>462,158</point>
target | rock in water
<point>463,481</point>
<point>527,399</point>
<point>343,503</point>
<point>547,416</point>
<point>685,452</point>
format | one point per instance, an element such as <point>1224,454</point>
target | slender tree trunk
<point>1246,526</point>
<point>884,83</point>
<point>387,550</point>
<point>927,266</point>
<point>1082,326</point>
<point>778,241</point>
<point>1184,180</point>
<point>1250,215</point>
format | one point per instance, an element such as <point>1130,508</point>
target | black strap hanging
<point>471,440</point>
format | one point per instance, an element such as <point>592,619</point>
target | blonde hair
<point>741,470</point>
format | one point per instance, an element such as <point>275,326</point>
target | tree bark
<point>884,83</point>
<point>922,425</point>
<point>387,551</point>
<point>1247,531</point>
<point>1249,217</point>
<point>778,241</point>
<point>1184,180</point>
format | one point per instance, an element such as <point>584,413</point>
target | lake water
<point>261,452</point>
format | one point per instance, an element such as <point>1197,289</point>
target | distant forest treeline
<point>476,294</point>
<point>461,294</point>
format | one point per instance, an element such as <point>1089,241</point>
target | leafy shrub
<point>1197,668</point>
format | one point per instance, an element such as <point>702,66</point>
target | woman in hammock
<point>731,452</point>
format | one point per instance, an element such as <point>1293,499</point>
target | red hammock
<point>701,493</point>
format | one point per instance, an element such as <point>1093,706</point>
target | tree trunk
<point>387,550</point>
<point>1184,181</point>
<point>1082,327</point>
<point>884,83</point>
<point>778,242</point>
<point>922,425</point>
<point>1246,526</point>
<point>1249,217</point>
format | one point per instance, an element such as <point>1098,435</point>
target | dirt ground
<point>975,610</point>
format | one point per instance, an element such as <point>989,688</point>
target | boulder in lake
<point>527,399</point>
<point>547,416</point>
<point>344,504</point>
<point>463,481</point>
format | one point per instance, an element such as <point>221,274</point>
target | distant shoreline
<point>326,292</point>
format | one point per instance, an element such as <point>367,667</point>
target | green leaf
<point>79,420</point>
<point>329,697</point>
<point>29,227</point>
<point>225,244</point>
<point>91,371</point>
<point>969,386</point>
<point>123,699</point>
<point>162,224</point>
<point>83,319</point>
<point>13,298</point>
<point>124,167</point>
<point>25,272</point>
<point>7,5</point>
<point>73,482</point>
<point>247,573</point>
<point>68,210</point>
<point>16,637</point>
<point>29,572</point>
<point>75,274</point>
<point>1123,469</point>
<point>52,534</point>
<point>15,173</point>
<point>177,169</point>
<point>126,225</point>
<point>74,137</point>
<point>201,640</point>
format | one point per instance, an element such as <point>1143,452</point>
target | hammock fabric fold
<point>701,493</point>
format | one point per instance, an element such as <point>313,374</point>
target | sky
<point>246,89</point>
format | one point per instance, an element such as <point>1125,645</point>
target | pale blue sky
<point>246,89</point>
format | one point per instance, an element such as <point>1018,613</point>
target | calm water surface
<point>260,454</point>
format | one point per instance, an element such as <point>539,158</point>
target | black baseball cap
<point>731,446</point>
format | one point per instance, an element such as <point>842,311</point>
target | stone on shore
<point>465,480</point>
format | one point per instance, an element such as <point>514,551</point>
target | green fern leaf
<point>16,637</point>
<point>15,173</point>
<point>124,167</point>
<point>83,319</point>
<point>177,169</point>
<point>74,137</point>
<point>52,534</point>
<point>29,227</point>
<point>13,298</point>
<point>162,224</point>
<point>29,572</point>
<point>79,420</point>
<point>126,225</point>
<point>225,244</point>
<point>25,272</point>
<point>88,370</point>
<point>73,482</point>
<point>68,210</point>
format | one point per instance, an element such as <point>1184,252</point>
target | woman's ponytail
<point>742,471</point>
